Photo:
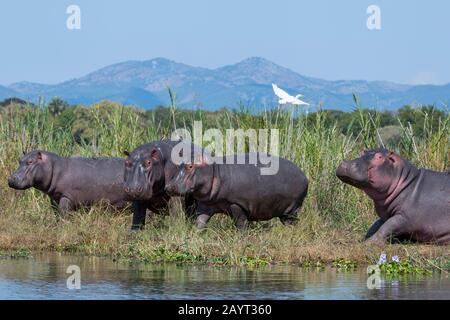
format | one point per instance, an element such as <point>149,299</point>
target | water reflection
<point>44,277</point>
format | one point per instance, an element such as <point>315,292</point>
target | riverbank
<point>169,238</point>
<point>332,221</point>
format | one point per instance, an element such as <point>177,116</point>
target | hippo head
<point>183,182</point>
<point>375,170</point>
<point>144,173</point>
<point>35,170</point>
<point>190,178</point>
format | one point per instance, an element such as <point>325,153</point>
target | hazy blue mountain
<point>145,83</point>
<point>7,93</point>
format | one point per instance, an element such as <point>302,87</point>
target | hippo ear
<point>201,160</point>
<point>127,153</point>
<point>392,157</point>
<point>40,156</point>
<point>198,160</point>
<point>154,154</point>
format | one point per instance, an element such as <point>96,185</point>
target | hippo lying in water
<point>147,168</point>
<point>240,190</point>
<point>71,182</point>
<point>412,203</point>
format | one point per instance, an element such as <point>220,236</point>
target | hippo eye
<point>29,162</point>
<point>190,166</point>
<point>147,163</point>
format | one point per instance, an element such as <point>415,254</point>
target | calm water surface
<point>44,277</point>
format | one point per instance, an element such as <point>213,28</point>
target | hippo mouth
<point>14,184</point>
<point>171,191</point>
<point>351,174</point>
<point>352,182</point>
<point>17,187</point>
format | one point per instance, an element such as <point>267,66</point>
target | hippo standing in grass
<point>71,182</point>
<point>241,191</point>
<point>412,203</point>
<point>147,168</point>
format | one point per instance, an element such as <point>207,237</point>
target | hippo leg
<point>139,213</point>
<point>190,207</point>
<point>374,228</point>
<point>54,205</point>
<point>391,228</point>
<point>64,206</point>
<point>239,217</point>
<point>289,219</point>
<point>202,220</point>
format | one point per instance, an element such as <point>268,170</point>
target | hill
<point>145,83</point>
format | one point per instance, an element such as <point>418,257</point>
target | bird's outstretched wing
<point>279,92</point>
<point>299,102</point>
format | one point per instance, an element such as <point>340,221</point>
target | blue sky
<point>325,39</point>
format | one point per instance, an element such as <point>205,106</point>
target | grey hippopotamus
<point>147,168</point>
<point>71,182</point>
<point>411,203</point>
<point>241,191</point>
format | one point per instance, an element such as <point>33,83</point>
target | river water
<point>44,277</point>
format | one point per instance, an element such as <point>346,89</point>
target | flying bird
<point>286,98</point>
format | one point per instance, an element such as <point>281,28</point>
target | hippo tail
<point>290,216</point>
<point>303,195</point>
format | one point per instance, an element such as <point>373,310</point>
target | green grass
<point>402,268</point>
<point>344,264</point>
<point>15,254</point>
<point>332,221</point>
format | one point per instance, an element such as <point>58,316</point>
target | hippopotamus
<point>71,182</point>
<point>241,191</point>
<point>412,203</point>
<point>147,168</point>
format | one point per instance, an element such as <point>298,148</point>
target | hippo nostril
<point>139,189</point>
<point>342,169</point>
<point>127,190</point>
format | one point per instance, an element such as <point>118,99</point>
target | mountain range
<point>145,83</point>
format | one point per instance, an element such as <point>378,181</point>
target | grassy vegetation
<point>333,219</point>
<point>14,254</point>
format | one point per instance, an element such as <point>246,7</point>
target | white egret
<point>286,98</point>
